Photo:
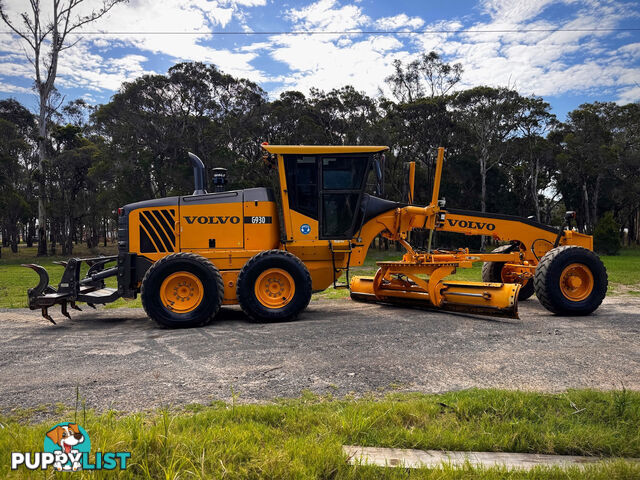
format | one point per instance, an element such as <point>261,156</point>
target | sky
<point>567,51</point>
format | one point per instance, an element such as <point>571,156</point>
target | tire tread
<point>543,288</point>
<point>242,290</point>
<point>184,256</point>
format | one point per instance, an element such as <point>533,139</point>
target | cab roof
<point>319,149</point>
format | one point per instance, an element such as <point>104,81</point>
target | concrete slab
<point>408,458</point>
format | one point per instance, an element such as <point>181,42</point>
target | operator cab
<point>324,187</point>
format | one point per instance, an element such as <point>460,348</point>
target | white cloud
<point>398,22</point>
<point>544,62</point>
<point>326,15</point>
<point>512,12</point>
<point>629,95</point>
<point>9,88</point>
<point>12,68</point>
<point>98,68</point>
<point>362,63</point>
<point>632,50</point>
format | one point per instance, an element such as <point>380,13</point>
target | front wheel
<point>182,290</point>
<point>571,280</point>
<point>274,286</point>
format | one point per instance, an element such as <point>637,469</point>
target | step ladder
<point>337,270</point>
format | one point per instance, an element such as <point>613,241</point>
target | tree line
<point>506,152</point>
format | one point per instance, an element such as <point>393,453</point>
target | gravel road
<point>120,359</point>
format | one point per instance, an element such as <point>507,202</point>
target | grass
<point>623,270</point>
<point>302,438</point>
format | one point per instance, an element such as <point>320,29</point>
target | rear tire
<point>274,286</point>
<point>492,272</point>
<point>571,280</point>
<point>182,290</point>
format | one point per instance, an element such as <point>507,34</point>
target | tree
<point>152,121</point>
<point>488,116</point>
<point>46,39</point>
<point>16,147</point>
<point>427,76</point>
<point>587,158</point>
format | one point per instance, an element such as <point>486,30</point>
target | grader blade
<point>478,298</point>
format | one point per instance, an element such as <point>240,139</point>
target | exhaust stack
<point>198,174</point>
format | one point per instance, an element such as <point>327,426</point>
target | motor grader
<point>269,251</point>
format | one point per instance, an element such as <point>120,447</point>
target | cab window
<point>343,173</point>
<point>302,184</point>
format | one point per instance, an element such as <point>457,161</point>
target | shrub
<point>606,236</point>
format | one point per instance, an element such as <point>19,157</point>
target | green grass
<point>15,280</point>
<point>623,270</point>
<point>302,438</point>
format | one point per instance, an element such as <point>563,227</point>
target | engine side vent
<point>157,231</point>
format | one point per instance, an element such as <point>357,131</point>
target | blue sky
<point>567,68</point>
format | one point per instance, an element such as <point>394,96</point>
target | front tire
<point>274,286</point>
<point>571,280</point>
<point>182,290</point>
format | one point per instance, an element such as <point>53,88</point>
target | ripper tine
<point>65,312</point>
<point>44,278</point>
<point>45,314</point>
<point>92,306</point>
<point>75,307</point>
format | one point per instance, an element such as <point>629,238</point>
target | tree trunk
<point>483,190</point>
<point>52,238</point>
<point>42,214</point>
<point>31,230</point>
<point>14,238</point>
<point>534,188</point>
<point>594,200</point>
<point>585,196</point>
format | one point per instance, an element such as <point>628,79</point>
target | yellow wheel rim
<point>181,292</point>
<point>275,288</point>
<point>576,282</point>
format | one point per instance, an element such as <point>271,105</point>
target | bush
<point>606,236</point>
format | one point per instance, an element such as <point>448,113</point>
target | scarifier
<point>189,255</point>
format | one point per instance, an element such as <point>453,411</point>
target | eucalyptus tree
<point>488,115</point>
<point>427,76</point>
<point>46,30</point>
<point>17,140</point>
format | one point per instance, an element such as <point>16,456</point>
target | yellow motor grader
<point>269,251</point>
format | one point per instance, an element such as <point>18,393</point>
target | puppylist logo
<point>66,449</point>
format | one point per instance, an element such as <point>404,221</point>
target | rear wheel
<point>571,280</point>
<point>182,290</point>
<point>495,272</point>
<point>274,286</point>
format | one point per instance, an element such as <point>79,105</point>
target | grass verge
<point>623,270</point>
<point>302,438</point>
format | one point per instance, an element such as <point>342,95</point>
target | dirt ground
<point>120,359</point>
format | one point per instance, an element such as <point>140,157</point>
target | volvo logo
<point>211,220</point>
<point>471,224</point>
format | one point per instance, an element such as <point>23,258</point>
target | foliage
<point>303,437</point>
<point>623,271</point>
<point>606,236</point>
<point>505,152</point>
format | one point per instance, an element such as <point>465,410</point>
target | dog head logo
<point>68,441</point>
